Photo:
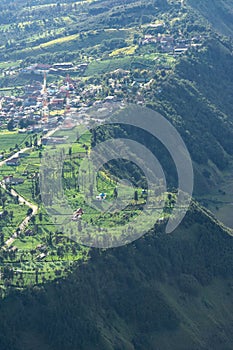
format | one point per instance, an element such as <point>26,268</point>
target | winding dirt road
<point>22,200</point>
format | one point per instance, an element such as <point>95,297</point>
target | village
<point>41,106</point>
<point>56,99</point>
<point>60,94</point>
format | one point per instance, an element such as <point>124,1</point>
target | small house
<point>23,155</point>
<point>77,214</point>
<point>101,196</point>
<point>10,180</point>
<point>13,162</point>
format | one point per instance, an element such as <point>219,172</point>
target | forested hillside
<point>197,98</point>
<point>218,12</point>
<point>162,292</point>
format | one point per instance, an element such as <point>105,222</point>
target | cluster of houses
<point>65,103</point>
<point>40,69</point>
<point>167,43</point>
<point>27,109</point>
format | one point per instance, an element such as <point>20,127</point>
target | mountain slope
<point>161,292</point>
<point>219,13</point>
<point>197,99</point>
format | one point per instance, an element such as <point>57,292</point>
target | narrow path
<point>26,220</point>
<point>15,194</point>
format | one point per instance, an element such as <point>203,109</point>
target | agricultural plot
<point>128,62</point>
<point>109,204</point>
<point>26,170</point>
<point>9,141</point>
<point>44,251</point>
<point>71,43</point>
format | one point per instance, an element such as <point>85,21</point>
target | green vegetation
<point>217,12</point>
<point>174,300</point>
<point>12,214</point>
<point>11,141</point>
<point>161,291</point>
